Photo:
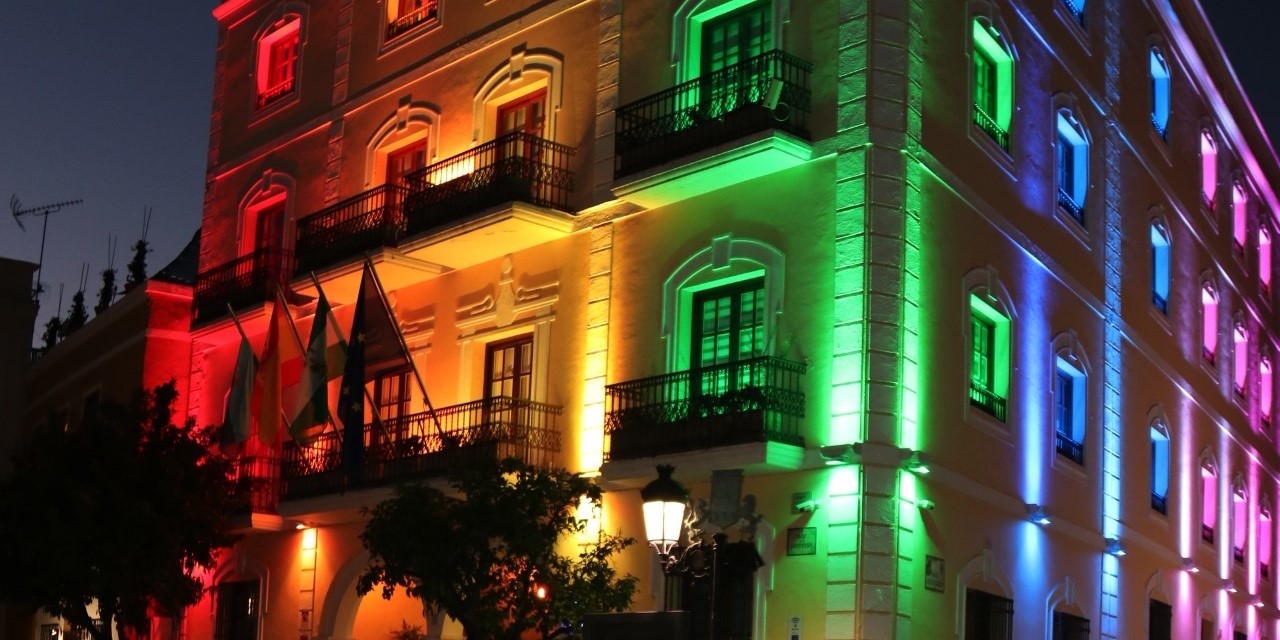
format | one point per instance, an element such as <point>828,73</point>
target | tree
<point>482,556</point>
<point>124,510</point>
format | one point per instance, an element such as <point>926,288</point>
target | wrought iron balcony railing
<point>276,92</point>
<point>713,109</point>
<point>425,13</point>
<point>1069,448</point>
<point>1069,205</point>
<point>754,400</point>
<point>257,486</point>
<point>988,124</point>
<point>410,446</point>
<point>516,167</point>
<point>362,222</point>
<point>247,280</point>
<point>988,401</point>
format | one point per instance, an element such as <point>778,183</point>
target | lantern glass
<point>662,522</point>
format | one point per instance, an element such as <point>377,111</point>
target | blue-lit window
<point>1159,468</point>
<point>1159,267</point>
<point>1076,7</point>
<point>1069,410</point>
<point>1159,92</point>
<point>1072,165</point>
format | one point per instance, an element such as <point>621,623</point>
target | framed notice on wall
<point>802,541</point>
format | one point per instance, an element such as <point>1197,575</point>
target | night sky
<point>109,102</point>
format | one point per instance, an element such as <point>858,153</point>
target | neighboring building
<point>17,320</point>
<point>810,249</point>
<point>142,340</point>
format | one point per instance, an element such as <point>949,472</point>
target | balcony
<point>1069,448</point>
<point>988,124</point>
<point>410,447</point>
<point>361,223</point>
<point>247,280</point>
<point>1068,204</point>
<point>1206,533</point>
<point>406,22</point>
<point>1159,503</point>
<point>275,92</point>
<point>724,120</point>
<point>988,401</point>
<point>751,401</point>
<point>257,493</point>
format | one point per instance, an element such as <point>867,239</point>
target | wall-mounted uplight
<point>836,454</point>
<point>1229,586</point>
<point>1115,547</point>
<point>926,504</point>
<point>1256,603</point>
<point>1189,566</point>
<point>1036,514</point>
<point>918,463</point>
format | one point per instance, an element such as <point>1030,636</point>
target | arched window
<point>1160,267</point>
<point>1265,390</point>
<point>1239,216</point>
<point>279,51</point>
<point>1239,520</point>
<point>1159,435</point>
<point>1072,164</point>
<point>1209,322</point>
<point>1240,359</point>
<point>1264,259</point>
<point>1208,169</point>
<point>992,82</point>
<point>1159,70</point>
<point>1070,394</point>
<point>988,356</point>
<point>1264,540</point>
<point>1208,502</point>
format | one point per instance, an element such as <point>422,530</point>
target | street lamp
<point>664,504</point>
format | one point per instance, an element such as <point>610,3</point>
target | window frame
<point>248,627</point>
<point>987,627</point>
<point>1240,360</point>
<point>1160,266</point>
<point>1239,522</point>
<point>1068,626</point>
<point>990,392</point>
<point>1070,391</point>
<point>1239,217</point>
<point>1208,169</point>
<point>1208,503</point>
<point>1209,320</point>
<point>1071,164</point>
<point>1158,435</point>
<point>992,106</point>
<point>1161,90</point>
<point>402,19</point>
<point>270,89</point>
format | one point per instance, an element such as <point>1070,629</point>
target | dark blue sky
<point>109,102</point>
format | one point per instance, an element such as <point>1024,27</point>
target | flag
<point>279,368</point>
<point>238,415</point>
<point>323,362</point>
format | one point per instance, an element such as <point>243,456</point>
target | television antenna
<point>42,211</point>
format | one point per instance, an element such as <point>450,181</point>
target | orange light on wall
<point>591,514</point>
<point>308,539</point>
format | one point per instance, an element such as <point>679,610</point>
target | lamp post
<point>713,573</point>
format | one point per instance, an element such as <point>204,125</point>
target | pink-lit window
<point>1264,259</point>
<point>409,14</point>
<point>1240,357</point>
<point>1208,503</point>
<point>1265,390</point>
<point>1264,543</point>
<point>1209,322</point>
<point>1239,216</point>
<point>1239,523</point>
<point>277,70</point>
<point>1208,169</point>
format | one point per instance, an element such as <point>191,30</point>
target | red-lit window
<point>1241,359</point>
<point>1239,523</point>
<point>409,14</point>
<point>278,62</point>
<point>1208,169</point>
<point>1239,216</point>
<point>1208,503</point>
<point>406,160</point>
<point>1209,322</point>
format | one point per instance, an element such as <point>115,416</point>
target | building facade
<point>965,308</point>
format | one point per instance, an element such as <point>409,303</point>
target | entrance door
<point>269,244</point>
<point>727,41</point>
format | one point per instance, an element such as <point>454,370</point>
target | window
<point>1264,543</point>
<point>1159,620</point>
<point>1159,70</point>
<point>989,358</point>
<point>404,15</point>
<point>1069,410</point>
<point>391,390</point>
<point>1239,216</point>
<point>1073,165</point>
<point>1159,267</point>
<point>1208,169</point>
<point>728,324</point>
<point>1159,468</point>
<point>1240,360</point>
<point>1208,503</point>
<point>1264,260</point>
<point>736,36</point>
<point>1069,627</point>
<point>1265,390</point>
<point>277,69</point>
<point>236,617</point>
<point>992,82</point>
<point>1076,7</point>
<point>1239,523</point>
<point>1209,323</point>
<point>987,616</point>
<point>509,369</point>
<point>405,160</point>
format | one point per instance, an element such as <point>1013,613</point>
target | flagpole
<point>382,297</point>
<point>293,328</point>
<point>368,397</point>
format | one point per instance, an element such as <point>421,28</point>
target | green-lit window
<point>736,36</point>
<point>988,357</point>
<point>729,323</point>
<point>992,82</point>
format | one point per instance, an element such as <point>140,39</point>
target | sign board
<point>802,541</point>
<point>935,573</point>
<point>794,633</point>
